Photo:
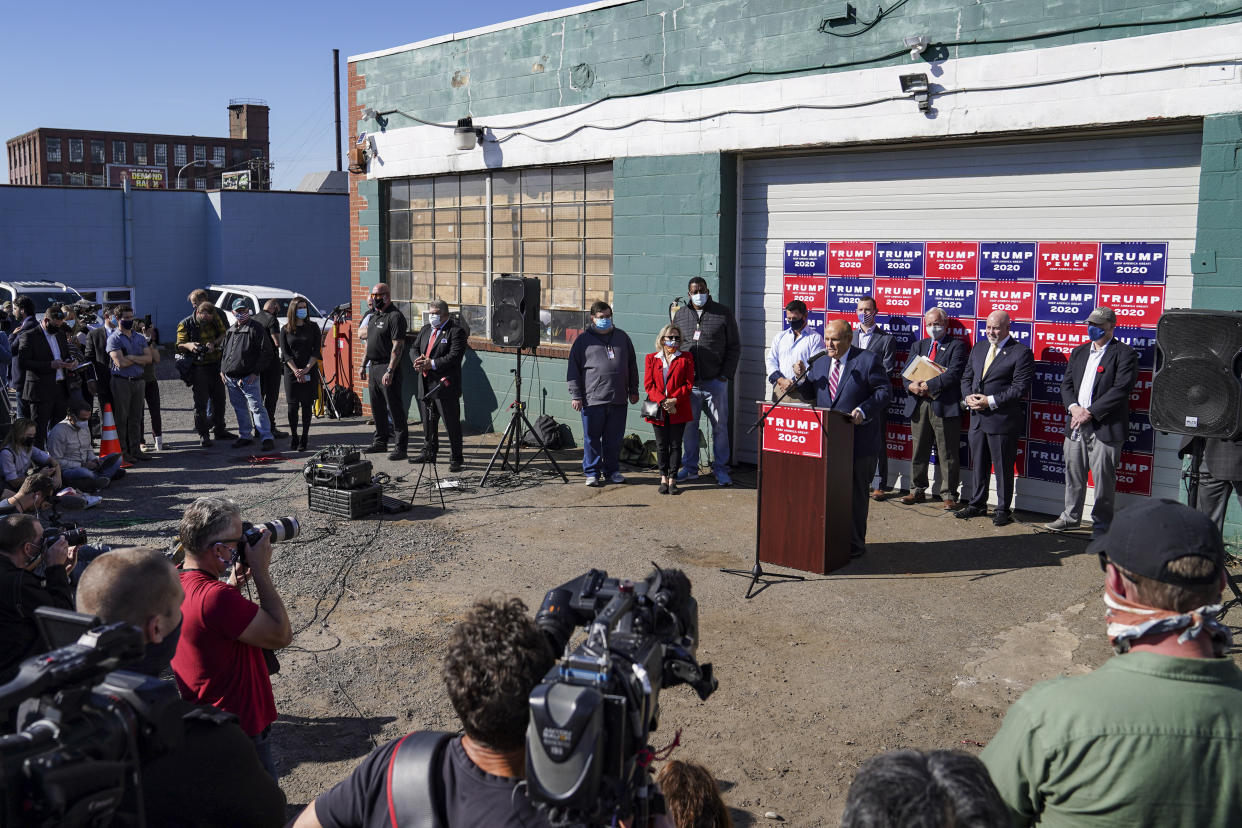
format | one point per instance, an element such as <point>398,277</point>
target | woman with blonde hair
<point>668,380</point>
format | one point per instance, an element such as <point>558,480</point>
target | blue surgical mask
<point>300,313</point>
<point>434,320</point>
<point>71,322</point>
<point>604,323</point>
<point>699,299</point>
<point>1094,332</point>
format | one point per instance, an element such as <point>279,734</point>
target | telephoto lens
<point>280,529</point>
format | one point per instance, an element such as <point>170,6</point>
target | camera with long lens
<point>81,732</point>
<point>587,751</point>
<point>280,529</point>
<point>74,536</point>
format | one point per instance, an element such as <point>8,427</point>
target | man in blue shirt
<point>128,354</point>
<point>797,343</point>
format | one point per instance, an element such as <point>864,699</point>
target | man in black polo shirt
<point>385,342</point>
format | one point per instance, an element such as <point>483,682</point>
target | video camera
<point>74,757</point>
<point>587,751</point>
<point>87,311</point>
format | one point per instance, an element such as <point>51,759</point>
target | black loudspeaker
<point>515,312</point>
<point>1196,390</point>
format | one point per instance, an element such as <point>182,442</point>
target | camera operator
<point>229,788</point>
<point>200,335</point>
<point>22,591</point>
<point>496,656</point>
<point>220,658</point>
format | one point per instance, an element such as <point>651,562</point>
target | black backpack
<point>345,401</point>
<point>544,429</point>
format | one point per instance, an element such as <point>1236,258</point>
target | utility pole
<point>336,83</point>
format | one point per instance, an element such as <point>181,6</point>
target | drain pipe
<point>127,221</point>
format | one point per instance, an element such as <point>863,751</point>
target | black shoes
<point>1003,517</point>
<point>242,441</point>
<point>268,444</point>
<point>278,434</point>
<point>377,447</point>
<point>455,465</point>
<point>969,512</point>
<point>293,444</point>
<point>424,456</point>
<point>225,435</point>
<point>663,488</point>
<point>397,454</point>
<point>204,441</point>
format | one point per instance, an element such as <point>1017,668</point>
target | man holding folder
<point>934,376</point>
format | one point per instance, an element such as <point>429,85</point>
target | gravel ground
<point>922,643</point>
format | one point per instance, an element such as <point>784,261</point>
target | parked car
<point>223,296</point>
<point>41,292</point>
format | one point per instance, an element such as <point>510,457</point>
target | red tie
<point>834,378</point>
<point>933,353</point>
<point>431,343</point>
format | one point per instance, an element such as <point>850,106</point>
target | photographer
<point>200,335</point>
<point>22,591</point>
<point>140,587</point>
<point>496,656</point>
<point>220,659</point>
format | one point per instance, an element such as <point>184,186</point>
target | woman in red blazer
<point>668,379</point>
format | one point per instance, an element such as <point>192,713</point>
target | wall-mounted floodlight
<point>917,44</point>
<point>916,85</point>
<point>467,136</point>
<point>375,116</point>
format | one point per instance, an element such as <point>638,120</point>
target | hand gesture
<point>577,405</point>
<point>798,368</point>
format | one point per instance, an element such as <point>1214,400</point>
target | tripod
<point>756,572</point>
<point>1192,500</point>
<point>512,438</point>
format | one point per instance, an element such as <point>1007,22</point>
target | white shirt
<point>668,363</point>
<point>789,348</point>
<point>55,346</point>
<point>1086,388</point>
<point>864,336</point>
<point>1000,346</point>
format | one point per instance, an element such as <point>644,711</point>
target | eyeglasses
<point>226,541</point>
<point>672,339</point>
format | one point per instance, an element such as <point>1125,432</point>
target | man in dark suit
<point>1096,392</point>
<point>437,357</point>
<point>937,413</point>
<point>996,376</point>
<point>1221,474</point>
<point>44,353</point>
<point>97,355</point>
<point>872,337</point>
<point>853,382</point>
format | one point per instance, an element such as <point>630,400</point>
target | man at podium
<point>853,381</point>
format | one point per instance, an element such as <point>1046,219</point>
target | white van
<point>256,296</point>
<point>41,292</point>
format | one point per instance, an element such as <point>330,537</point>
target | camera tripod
<point>512,439</point>
<point>433,480</point>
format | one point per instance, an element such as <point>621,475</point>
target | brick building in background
<point>92,158</point>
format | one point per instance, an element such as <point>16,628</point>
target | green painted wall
<point>1217,260</point>
<point>641,47</point>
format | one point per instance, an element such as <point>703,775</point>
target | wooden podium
<point>806,458</point>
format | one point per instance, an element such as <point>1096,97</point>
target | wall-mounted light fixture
<point>917,44</point>
<point>375,116</point>
<point>466,136</point>
<point>916,85</point>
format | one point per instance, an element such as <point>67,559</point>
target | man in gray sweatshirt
<point>602,376</point>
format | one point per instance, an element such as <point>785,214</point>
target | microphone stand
<point>756,573</point>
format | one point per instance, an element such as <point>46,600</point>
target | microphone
<point>814,357</point>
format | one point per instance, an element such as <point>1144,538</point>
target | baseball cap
<point>1146,537</point>
<point>238,304</point>
<point>1100,316</point>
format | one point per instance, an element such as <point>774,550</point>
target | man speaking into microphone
<point>852,381</point>
<point>437,357</point>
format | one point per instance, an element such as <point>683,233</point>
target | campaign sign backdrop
<point>900,296</point>
<point>1141,437</point>
<point>808,289</point>
<point>1053,343</point>
<point>845,291</point>
<point>1007,260</point>
<point>963,454</point>
<point>1045,461</point>
<point>1143,341</point>
<point>899,441</point>
<point>956,298</point>
<point>793,430</point>
<point>815,321</point>
<point>1134,474</point>
<point>1046,384</point>
<point>1014,298</point>
<point>1140,396</point>
<point>899,259</point>
<point>1047,421</point>
<point>1019,461</point>
<point>896,410</point>
<point>1068,304</point>
<point>906,331</point>
<point>1020,331</point>
<point>953,260</point>
<point>806,258</point>
<point>851,258</point>
<point>1067,261</point>
<point>1135,263</point>
<point>1136,306</point>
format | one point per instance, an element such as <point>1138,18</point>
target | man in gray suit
<point>871,337</point>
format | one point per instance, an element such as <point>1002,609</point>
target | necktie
<point>987,363</point>
<point>933,351</point>
<point>431,343</point>
<point>834,378</point>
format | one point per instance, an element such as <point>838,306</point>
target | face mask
<point>127,324</point>
<point>935,331</point>
<point>699,299</point>
<point>156,658</point>
<point>300,313</point>
<point>28,442</point>
<point>1095,332</point>
<point>671,343</point>
<point>797,324</point>
<point>377,302</point>
<point>866,317</point>
<point>434,320</point>
<point>71,322</point>
<point>243,316</point>
<point>82,423</point>
<point>604,323</point>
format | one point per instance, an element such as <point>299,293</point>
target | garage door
<point>1111,194</point>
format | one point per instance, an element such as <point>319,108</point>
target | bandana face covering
<point>1129,621</point>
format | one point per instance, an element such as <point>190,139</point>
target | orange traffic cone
<point>109,443</point>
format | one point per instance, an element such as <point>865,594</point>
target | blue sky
<point>154,67</point>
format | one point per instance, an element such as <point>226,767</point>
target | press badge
<point>611,353</point>
<point>697,334</point>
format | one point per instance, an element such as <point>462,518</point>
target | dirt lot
<point>922,643</point>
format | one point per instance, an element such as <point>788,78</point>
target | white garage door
<point>1121,187</point>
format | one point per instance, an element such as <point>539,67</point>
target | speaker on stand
<point>1196,391</point>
